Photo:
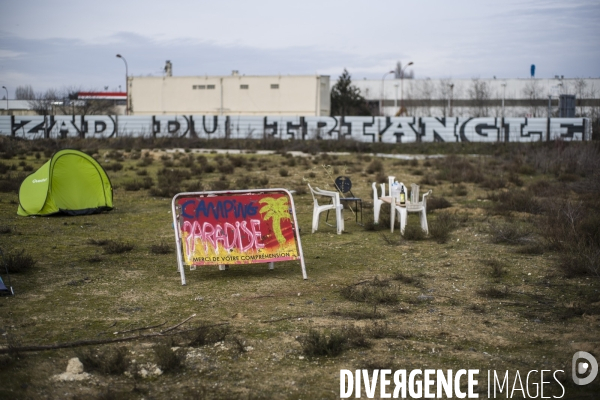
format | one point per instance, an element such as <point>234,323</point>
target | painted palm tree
<point>275,209</point>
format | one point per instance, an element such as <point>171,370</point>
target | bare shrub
<point>205,334</point>
<point>117,166</point>
<point>515,200</point>
<point>221,184</point>
<point>510,233</point>
<point>493,183</point>
<point>459,190</point>
<point>300,189</point>
<point>117,247</point>
<point>391,240</point>
<point>497,268</point>
<point>225,168</point>
<point>94,258</point>
<point>457,169</point>
<point>370,313</point>
<point>493,292</point>
<point>543,188</point>
<point>414,232</point>
<point>11,182</point>
<point>113,360</point>
<point>132,186</point>
<point>437,203</point>
<point>356,337</point>
<point>515,179</point>
<point>573,229</point>
<point>374,292</point>
<point>167,359</point>
<point>98,242</point>
<point>161,248</point>
<point>381,177</point>
<point>378,330</point>
<point>577,158</point>
<point>19,262</point>
<point>4,168</point>
<point>315,343</point>
<point>428,180</point>
<point>409,280</point>
<point>441,227</point>
<point>374,167</point>
<point>582,259</point>
<point>169,182</point>
<point>145,161</point>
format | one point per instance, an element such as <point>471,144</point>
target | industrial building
<point>530,98</point>
<point>232,95</point>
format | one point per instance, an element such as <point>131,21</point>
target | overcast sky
<point>67,43</point>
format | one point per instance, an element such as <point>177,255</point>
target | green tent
<point>71,182</point>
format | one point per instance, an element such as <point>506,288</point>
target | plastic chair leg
<point>403,216</point>
<point>392,217</point>
<point>315,221</point>
<point>376,210</point>
<point>424,222</point>
<point>340,219</point>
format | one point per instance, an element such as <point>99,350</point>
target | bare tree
<point>580,94</point>
<point>44,102</point>
<point>534,93</point>
<point>480,94</point>
<point>66,102</point>
<point>425,95</point>
<point>24,93</point>
<point>444,93</point>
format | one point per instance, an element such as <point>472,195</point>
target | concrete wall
<point>363,129</point>
<point>230,95</point>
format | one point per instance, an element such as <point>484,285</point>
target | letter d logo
<point>581,367</point>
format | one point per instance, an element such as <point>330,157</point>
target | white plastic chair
<point>318,209</point>
<point>396,208</point>
<point>391,180</point>
<point>415,206</point>
<point>377,202</point>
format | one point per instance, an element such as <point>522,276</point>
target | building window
<point>196,87</point>
<point>243,86</point>
<point>274,85</point>
<point>210,86</point>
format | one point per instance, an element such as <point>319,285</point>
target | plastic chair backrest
<point>343,184</point>
<point>312,193</point>
<point>414,193</point>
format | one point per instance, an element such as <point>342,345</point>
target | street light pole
<point>126,84</point>
<point>503,96</point>
<point>4,87</point>
<point>402,86</point>
<point>382,92</point>
<point>450,99</point>
<point>396,96</point>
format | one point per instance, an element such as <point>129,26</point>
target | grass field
<point>508,278</point>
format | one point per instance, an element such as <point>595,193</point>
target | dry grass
<point>462,302</point>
